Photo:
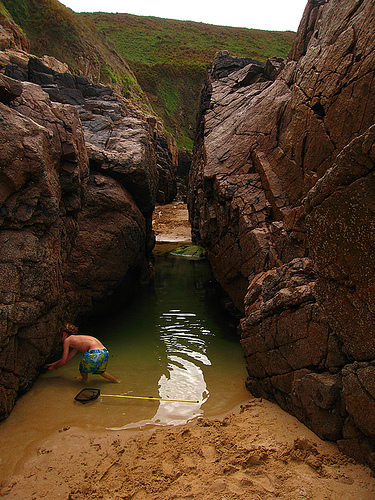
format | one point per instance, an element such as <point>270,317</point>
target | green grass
<point>46,17</point>
<point>19,11</point>
<point>150,40</point>
<point>169,95</point>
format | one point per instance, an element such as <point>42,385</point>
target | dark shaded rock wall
<point>282,196</point>
<point>79,178</point>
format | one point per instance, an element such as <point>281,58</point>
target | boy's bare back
<point>83,343</point>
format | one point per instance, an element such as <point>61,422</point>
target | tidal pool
<point>174,341</point>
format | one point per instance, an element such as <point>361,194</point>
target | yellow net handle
<point>150,397</point>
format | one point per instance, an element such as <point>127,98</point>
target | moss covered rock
<point>190,252</point>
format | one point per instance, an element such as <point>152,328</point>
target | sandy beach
<point>171,224</point>
<point>259,452</point>
<point>255,452</point>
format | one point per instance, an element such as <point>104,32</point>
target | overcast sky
<point>280,15</point>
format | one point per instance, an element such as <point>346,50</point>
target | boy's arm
<point>65,357</point>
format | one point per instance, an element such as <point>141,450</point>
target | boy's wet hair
<point>69,329</point>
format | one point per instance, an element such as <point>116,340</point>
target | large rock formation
<point>109,121</point>
<point>79,177</point>
<point>283,198</point>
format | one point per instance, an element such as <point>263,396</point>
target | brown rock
<point>306,141</point>
<point>70,237</point>
<point>318,398</point>
<point>341,234</point>
<point>110,244</point>
<point>9,89</point>
<point>358,401</point>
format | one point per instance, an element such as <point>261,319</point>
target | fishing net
<point>87,395</point>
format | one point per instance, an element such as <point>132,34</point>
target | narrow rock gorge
<point>282,196</point>
<point>80,172</point>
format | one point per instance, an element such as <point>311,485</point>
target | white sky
<point>279,15</point>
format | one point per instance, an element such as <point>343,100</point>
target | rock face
<point>79,177</point>
<point>109,122</point>
<point>282,197</point>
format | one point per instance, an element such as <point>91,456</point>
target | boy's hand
<point>51,366</point>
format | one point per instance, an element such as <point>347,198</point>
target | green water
<point>175,340</point>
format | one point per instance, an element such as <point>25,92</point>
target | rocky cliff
<point>80,172</point>
<point>282,196</point>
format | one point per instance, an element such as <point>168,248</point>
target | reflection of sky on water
<point>183,333</point>
<point>186,340</point>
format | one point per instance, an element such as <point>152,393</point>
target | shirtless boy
<point>95,357</point>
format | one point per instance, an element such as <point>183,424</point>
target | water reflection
<point>186,340</point>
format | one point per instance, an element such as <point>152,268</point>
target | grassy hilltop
<point>169,59</point>
<point>154,62</point>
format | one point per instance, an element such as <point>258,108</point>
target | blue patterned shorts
<point>94,361</point>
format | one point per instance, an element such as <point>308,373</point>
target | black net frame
<point>88,394</point>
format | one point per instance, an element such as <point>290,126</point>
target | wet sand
<point>171,224</point>
<point>255,452</point>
